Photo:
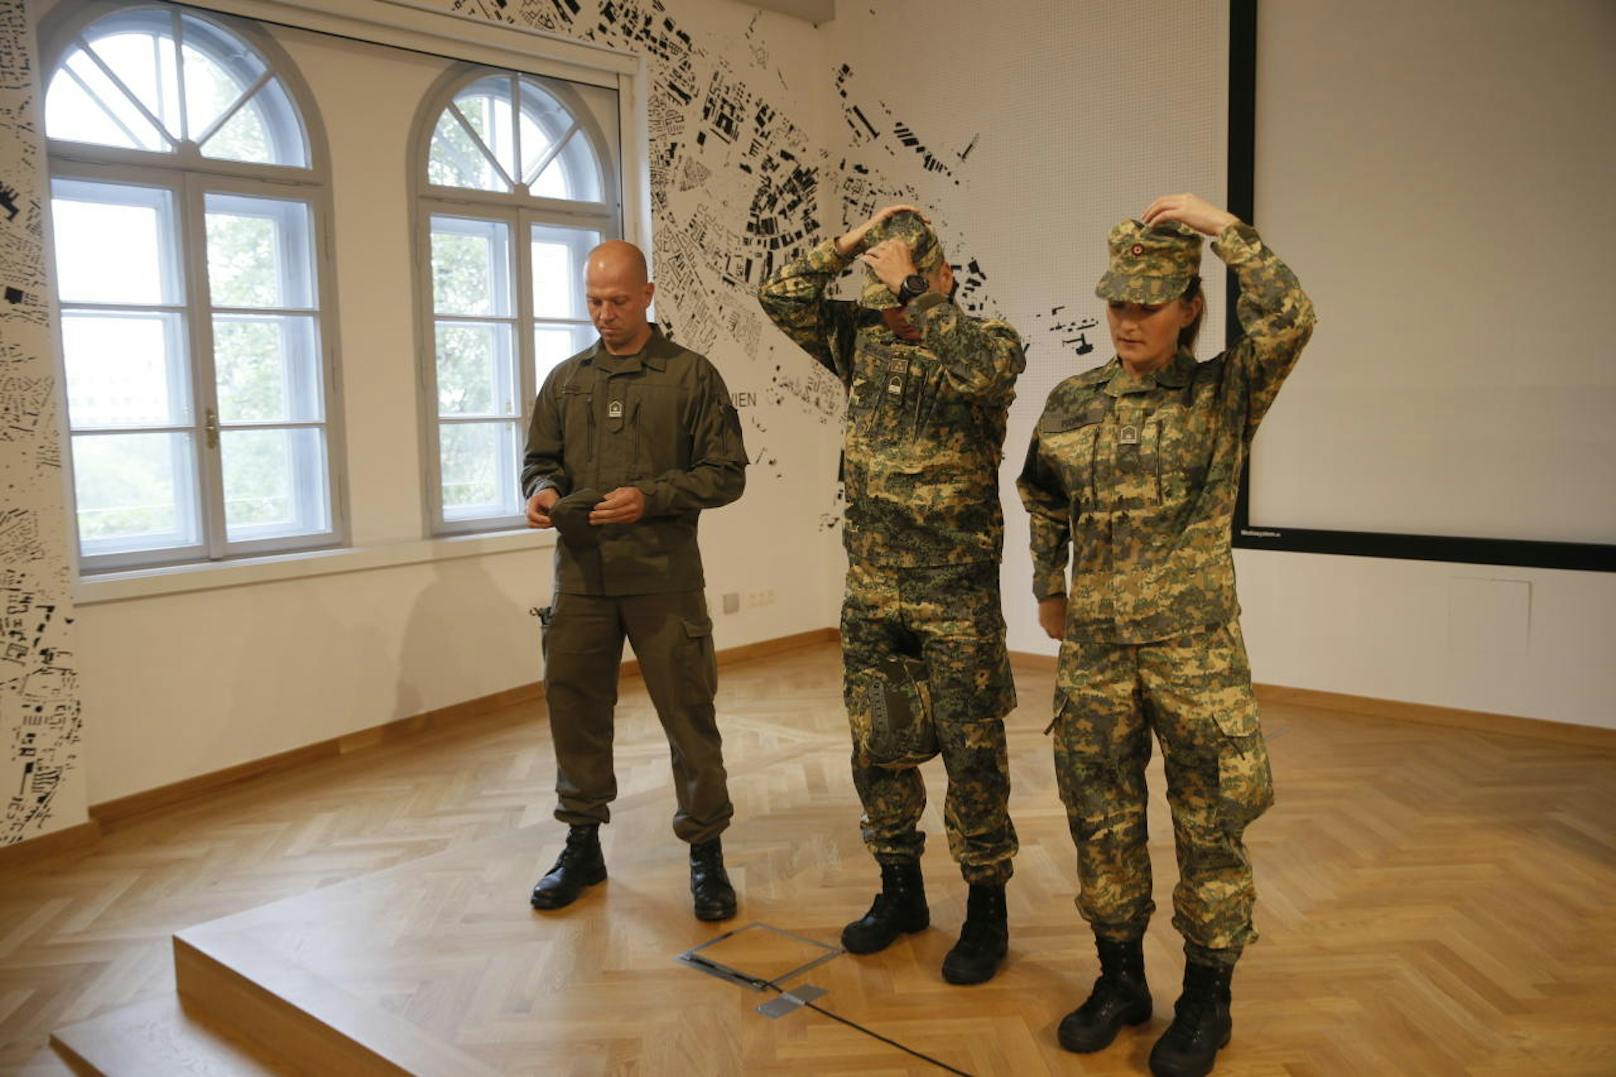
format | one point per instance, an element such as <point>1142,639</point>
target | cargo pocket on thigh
<point>890,710</point>
<point>1100,778</point>
<point>1245,781</point>
<point>699,678</point>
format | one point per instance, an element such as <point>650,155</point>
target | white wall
<point>1437,174</point>
<point>1439,185</point>
<point>1537,643</point>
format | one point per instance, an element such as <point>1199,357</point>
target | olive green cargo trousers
<point>672,636</point>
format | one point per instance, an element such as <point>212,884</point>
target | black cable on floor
<point>875,1035</point>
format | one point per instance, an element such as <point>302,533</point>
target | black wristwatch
<point>914,286</point>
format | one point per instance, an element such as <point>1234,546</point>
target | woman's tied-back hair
<point>1187,335</point>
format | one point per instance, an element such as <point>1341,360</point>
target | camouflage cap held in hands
<point>1150,265</point>
<point>922,243</point>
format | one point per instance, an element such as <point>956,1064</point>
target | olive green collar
<point>656,353</point>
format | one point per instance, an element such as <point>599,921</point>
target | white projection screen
<point>1442,176</point>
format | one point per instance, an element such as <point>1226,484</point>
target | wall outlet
<point>732,602</point>
<point>758,599</point>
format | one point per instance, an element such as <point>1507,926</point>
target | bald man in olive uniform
<point>630,440</point>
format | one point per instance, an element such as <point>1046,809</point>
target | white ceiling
<point>815,11</point>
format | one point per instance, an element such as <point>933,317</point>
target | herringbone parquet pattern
<point>1431,901</point>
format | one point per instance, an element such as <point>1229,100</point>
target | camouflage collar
<point>1175,375</point>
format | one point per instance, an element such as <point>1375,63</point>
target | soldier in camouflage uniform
<point>928,389</point>
<point>1133,468</point>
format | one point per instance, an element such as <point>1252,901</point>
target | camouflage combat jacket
<point>1138,476</point>
<point>925,419</point>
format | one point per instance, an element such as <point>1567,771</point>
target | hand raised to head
<point>892,261</point>
<point>854,238</point>
<point>1189,209</point>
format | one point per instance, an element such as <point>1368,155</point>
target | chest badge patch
<point>614,410</point>
<point>1128,435</point>
<point>895,385</point>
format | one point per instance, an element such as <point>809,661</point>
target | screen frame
<point>1242,165</point>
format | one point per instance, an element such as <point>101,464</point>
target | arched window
<point>518,180</point>
<point>188,201</point>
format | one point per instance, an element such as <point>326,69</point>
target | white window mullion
<point>119,431</point>
<point>524,314</point>
<point>521,379</point>
<point>488,152</point>
<point>426,378</point>
<point>517,182</point>
<point>325,326</point>
<point>208,437</point>
<point>106,109</point>
<point>179,74</point>
<point>123,88</point>
<point>229,114</point>
<point>550,155</point>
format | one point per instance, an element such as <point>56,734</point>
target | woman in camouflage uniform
<point>1134,466</point>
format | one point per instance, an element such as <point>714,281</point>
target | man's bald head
<point>619,259</point>
<point>618,288</point>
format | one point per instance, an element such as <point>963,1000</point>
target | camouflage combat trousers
<point>1195,693</point>
<point>948,617</point>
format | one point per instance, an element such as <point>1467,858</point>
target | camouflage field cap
<point>1150,265</point>
<point>928,254</point>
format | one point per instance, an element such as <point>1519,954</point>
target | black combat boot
<point>579,865</point>
<point>984,938</point>
<point>1120,997</point>
<point>899,907</point>
<point>709,882</point>
<point>1201,1025</point>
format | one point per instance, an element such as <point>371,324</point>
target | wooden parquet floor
<point>1431,901</point>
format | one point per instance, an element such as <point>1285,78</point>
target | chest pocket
<point>1071,442</point>
<point>1186,445</point>
<point>661,440</point>
<point>578,430</point>
<point>887,387</point>
<point>1134,477</point>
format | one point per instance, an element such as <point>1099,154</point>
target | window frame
<point>190,176</point>
<point>519,212</point>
